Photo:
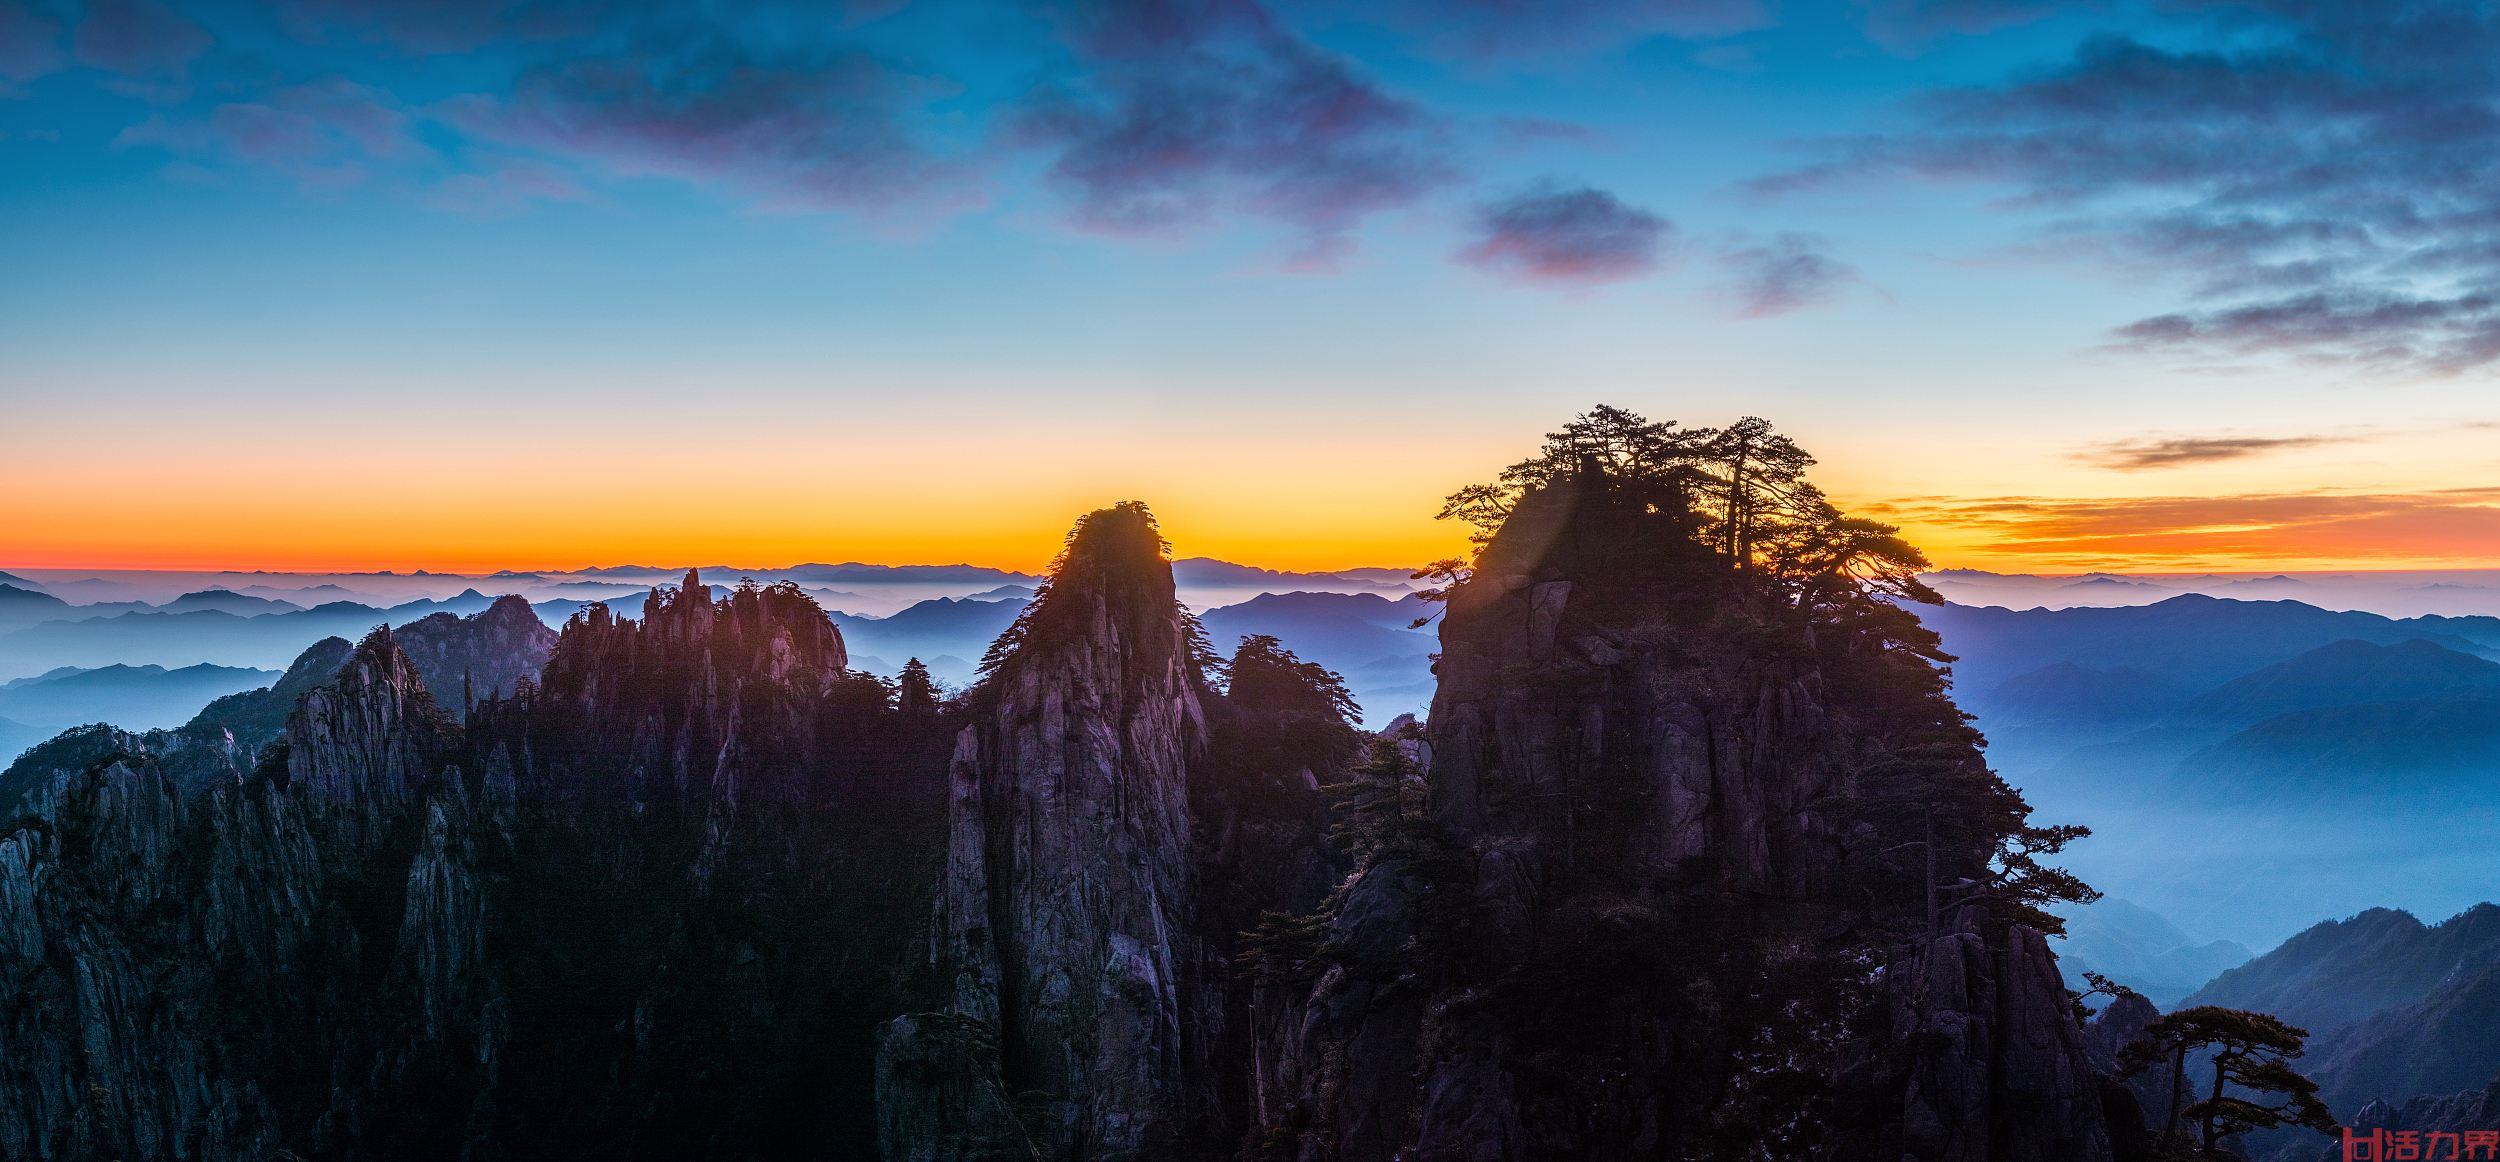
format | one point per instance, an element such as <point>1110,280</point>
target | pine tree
<point>2254,1086</point>
<point>915,693</point>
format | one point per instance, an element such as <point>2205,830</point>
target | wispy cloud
<point>2316,527</point>
<point>1786,274</point>
<point>791,125</point>
<point>1177,113</point>
<point>2153,452</point>
<point>1549,32</point>
<point>322,135</point>
<point>138,38</point>
<point>1567,234</point>
<point>30,45</point>
<point>2318,178</point>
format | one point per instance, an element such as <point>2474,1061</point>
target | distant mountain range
<point>2396,1008</point>
<point>2142,949</point>
<point>134,697</point>
<point>2393,593</point>
<point>2247,764</point>
<point>2227,750</point>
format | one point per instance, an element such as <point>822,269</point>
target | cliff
<point>483,655</point>
<point>1116,824</point>
<point>1638,915</point>
<point>1065,913</point>
<point>650,907</point>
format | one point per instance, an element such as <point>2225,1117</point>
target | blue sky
<point>907,276</point>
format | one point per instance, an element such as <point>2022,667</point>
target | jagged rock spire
<point>1063,915</point>
<point>367,741</point>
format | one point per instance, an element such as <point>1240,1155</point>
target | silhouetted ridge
<point>1694,859</point>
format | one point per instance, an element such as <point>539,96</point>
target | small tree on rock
<point>915,692</point>
<point>2254,1086</point>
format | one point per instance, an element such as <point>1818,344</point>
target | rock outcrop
<point>1625,925</point>
<point>484,655</point>
<point>651,906</point>
<point>1119,825</point>
<point>2001,1068</point>
<point>1065,917</point>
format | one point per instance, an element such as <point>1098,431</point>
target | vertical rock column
<point>1063,918</point>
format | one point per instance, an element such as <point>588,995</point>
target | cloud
<point>321,134</point>
<point>1559,32</point>
<point>505,186</point>
<point>1787,274</point>
<point>798,125</point>
<point>30,45</point>
<point>2369,328</point>
<point>425,27</point>
<point>2461,525</point>
<point>137,38</point>
<point>2321,181</point>
<point>1527,131</point>
<point>2185,451</point>
<point>1175,113</point>
<point>1913,25</point>
<point>333,133</point>
<point>1566,234</point>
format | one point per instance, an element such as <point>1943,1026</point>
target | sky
<point>343,284</point>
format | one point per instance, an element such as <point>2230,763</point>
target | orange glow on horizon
<point>567,490</point>
<point>2026,535</point>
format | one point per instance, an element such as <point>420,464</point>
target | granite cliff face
<point>484,655</point>
<point>172,942</point>
<point>1624,923</point>
<point>1102,861</point>
<point>651,906</point>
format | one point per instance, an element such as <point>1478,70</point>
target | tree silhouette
<point>1744,486</point>
<point>1969,840</point>
<point>2254,1085</point>
<point>915,693</point>
<point>1757,478</point>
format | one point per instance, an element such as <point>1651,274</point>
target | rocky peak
<point>483,655</point>
<point>1065,912</point>
<point>364,744</point>
<point>684,610</point>
<point>1637,772</point>
<point>1109,608</point>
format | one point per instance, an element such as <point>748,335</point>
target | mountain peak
<point>1121,538</point>
<point>1111,589</point>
